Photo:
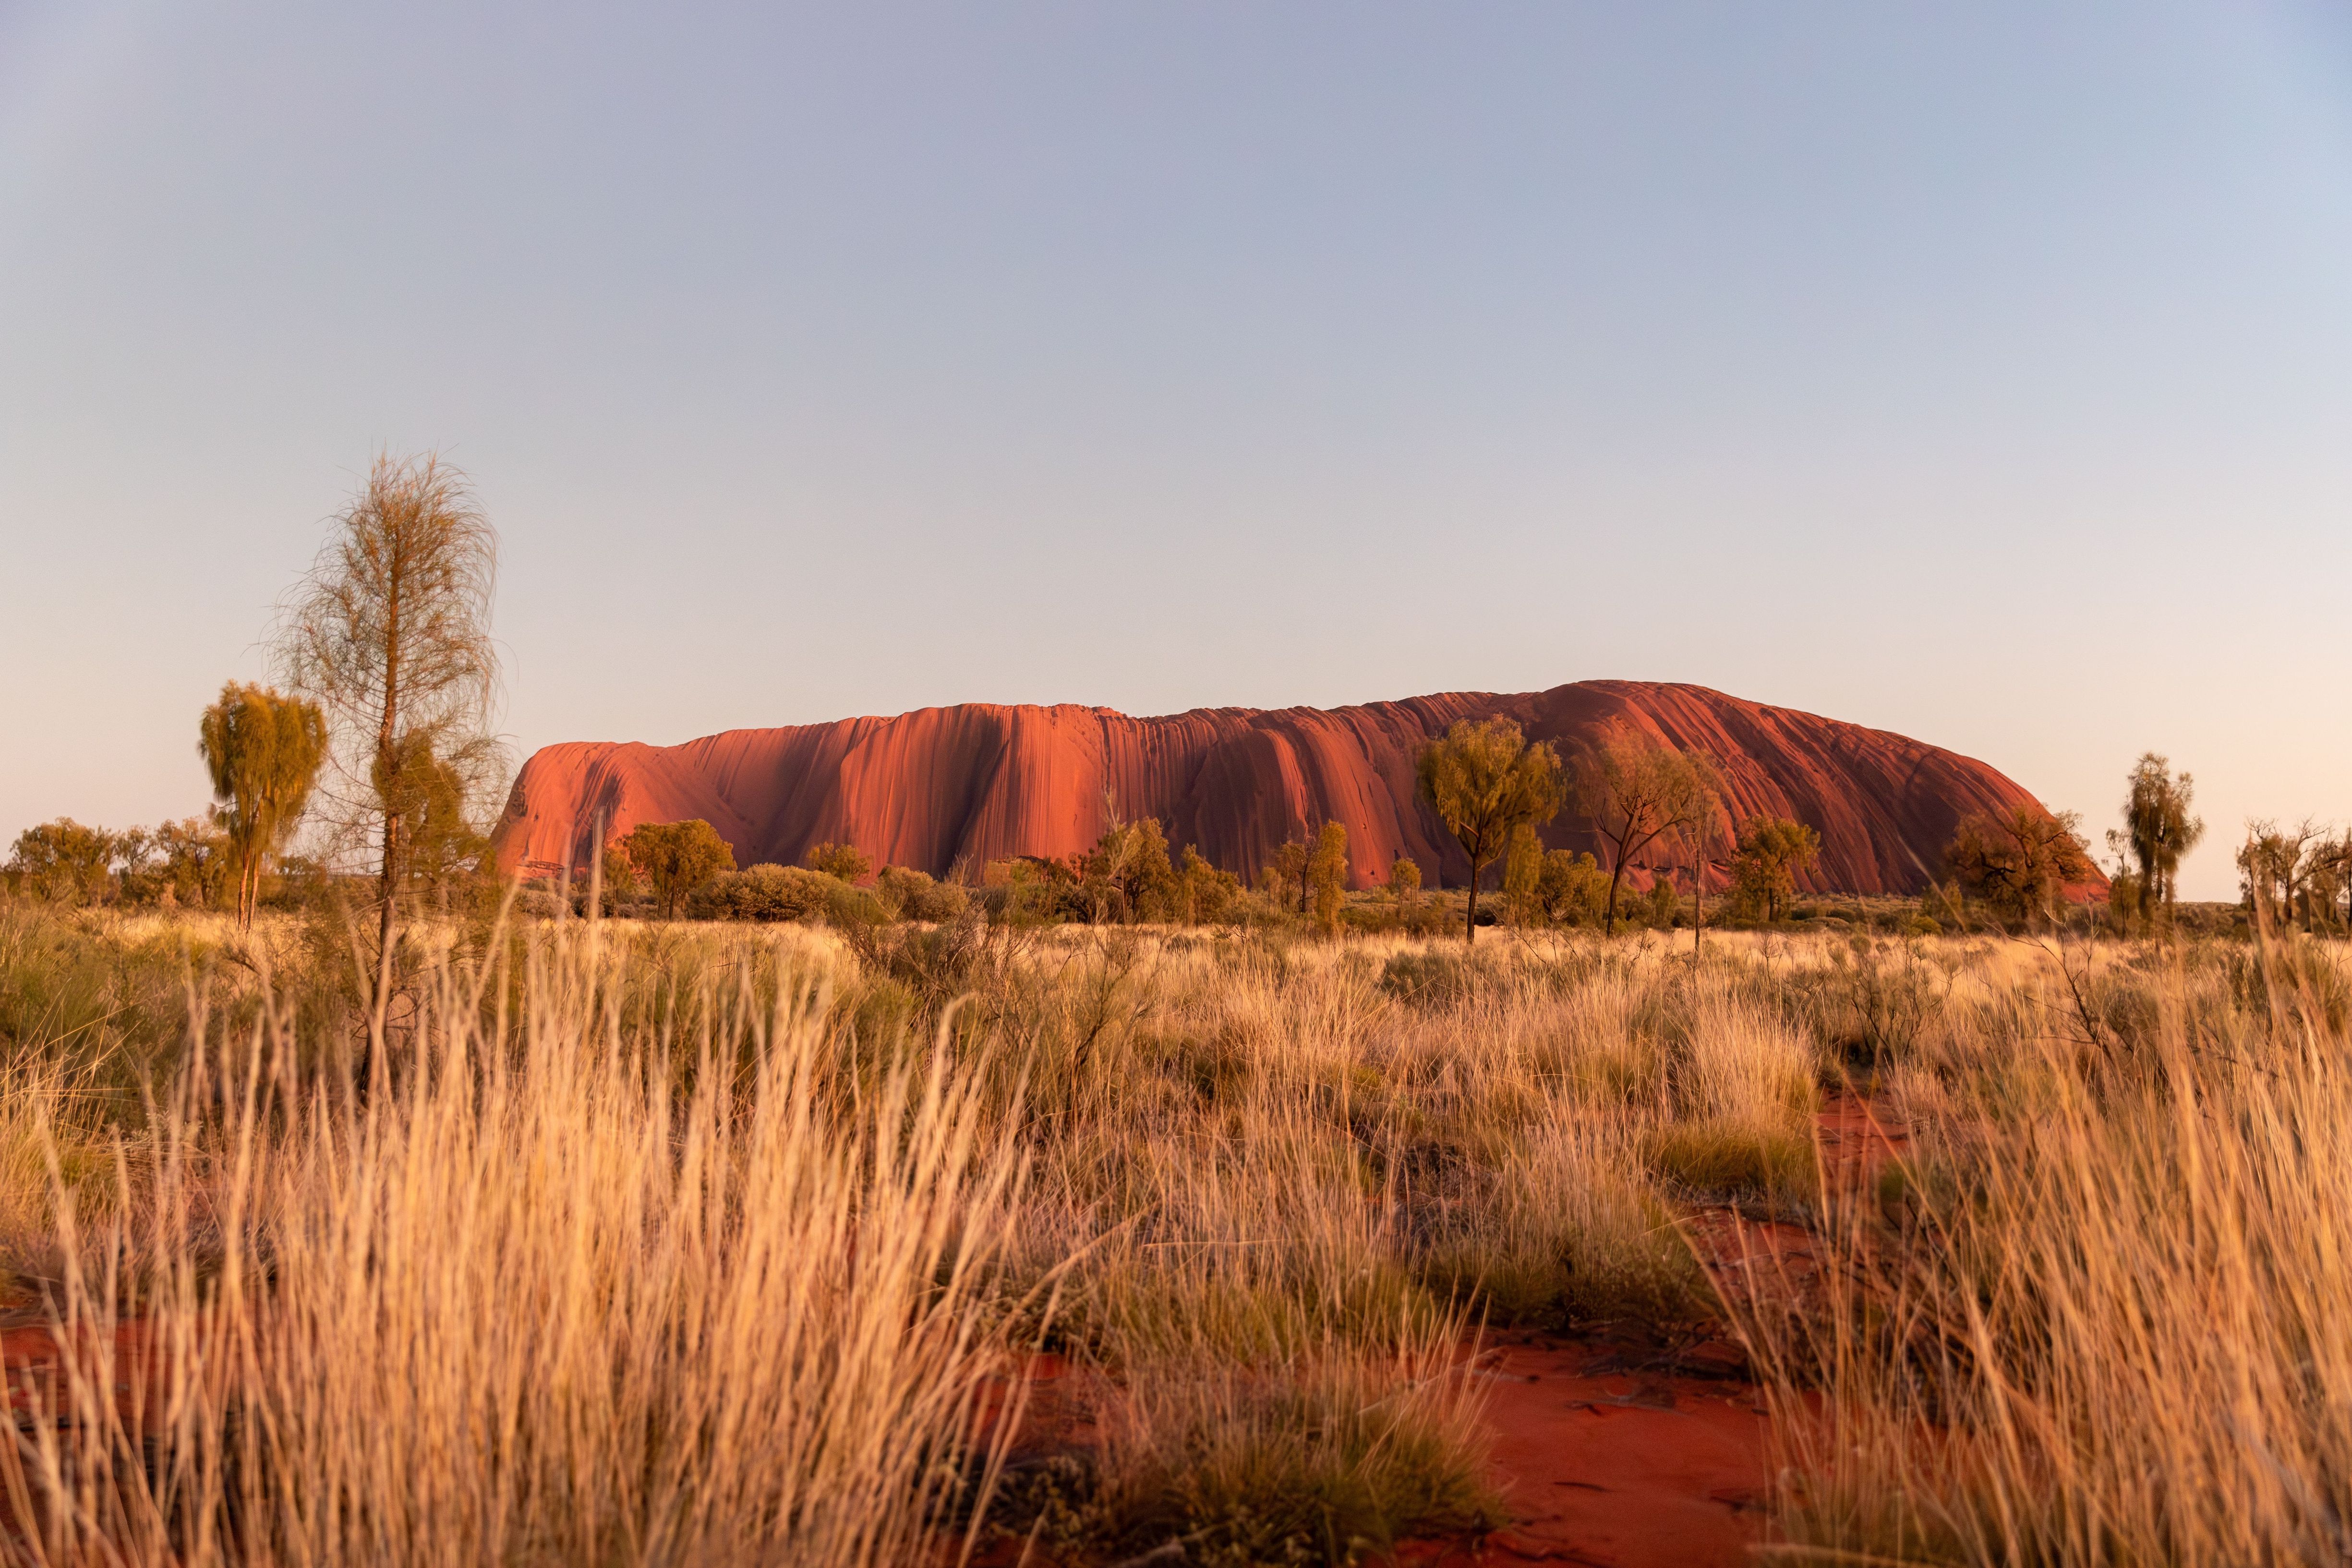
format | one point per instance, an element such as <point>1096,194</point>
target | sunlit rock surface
<point>944,787</point>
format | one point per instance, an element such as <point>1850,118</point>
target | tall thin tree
<point>390,633</point>
<point>2157,826</point>
<point>263,749</point>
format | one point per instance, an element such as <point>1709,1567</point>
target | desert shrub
<point>2120,915</point>
<point>767,892</point>
<point>539,902</point>
<point>1661,902</point>
<point>965,954</point>
<point>679,859</point>
<point>1327,875</point>
<point>909,895</point>
<point>1205,895</point>
<point>1872,1003</point>
<point>1029,890</point>
<point>1127,876</point>
<point>1282,881</point>
<point>63,862</point>
<point>1428,978</point>
<point>843,862</point>
<point>1571,889</point>
<point>1404,883</point>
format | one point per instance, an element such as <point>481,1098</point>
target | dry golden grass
<point>2101,1318</point>
<point>535,1297</point>
<point>694,1243</point>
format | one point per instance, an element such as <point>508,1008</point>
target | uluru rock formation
<point>944,788</point>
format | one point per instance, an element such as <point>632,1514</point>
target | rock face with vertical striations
<point>949,787</point>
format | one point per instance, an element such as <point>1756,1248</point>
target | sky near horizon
<point>1981,373</point>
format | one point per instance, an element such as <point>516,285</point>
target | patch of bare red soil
<point>1041,1395</point>
<point>1857,1140</point>
<point>121,1368</point>
<point>1605,1463</point>
<point>1746,1256</point>
<point>1612,1466</point>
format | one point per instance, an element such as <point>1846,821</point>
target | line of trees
<point>1647,804</point>
<point>262,750</point>
<point>1492,788</point>
<point>1659,810</point>
<point>184,864</point>
<point>2296,876</point>
<point>376,748</point>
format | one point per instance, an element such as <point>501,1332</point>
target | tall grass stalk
<point>530,1299</point>
<point>2105,1323</point>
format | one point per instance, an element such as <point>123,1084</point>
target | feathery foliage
<point>389,633</point>
<point>1483,780</point>
<point>264,750</point>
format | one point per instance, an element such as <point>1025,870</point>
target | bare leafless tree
<point>390,633</point>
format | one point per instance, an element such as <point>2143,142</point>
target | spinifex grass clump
<point>2106,1325</point>
<point>650,1243</point>
<point>524,1298</point>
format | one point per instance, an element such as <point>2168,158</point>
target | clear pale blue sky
<point>1981,372</point>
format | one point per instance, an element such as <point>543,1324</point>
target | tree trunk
<point>1616,871</point>
<point>1698,901</point>
<point>387,886</point>
<point>1470,921</point>
<point>387,758</point>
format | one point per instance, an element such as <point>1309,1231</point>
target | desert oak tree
<point>2019,860</point>
<point>1771,851</point>
<point>1483,780</point>
<point>2157,829</point>
<point>390,633</point>
<point>1635,792</point>
<point>263,749</point>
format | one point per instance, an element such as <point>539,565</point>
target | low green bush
<point>910,895</point>
<point>767,893</point>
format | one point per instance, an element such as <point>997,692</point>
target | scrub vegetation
<point>735,1241</point>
